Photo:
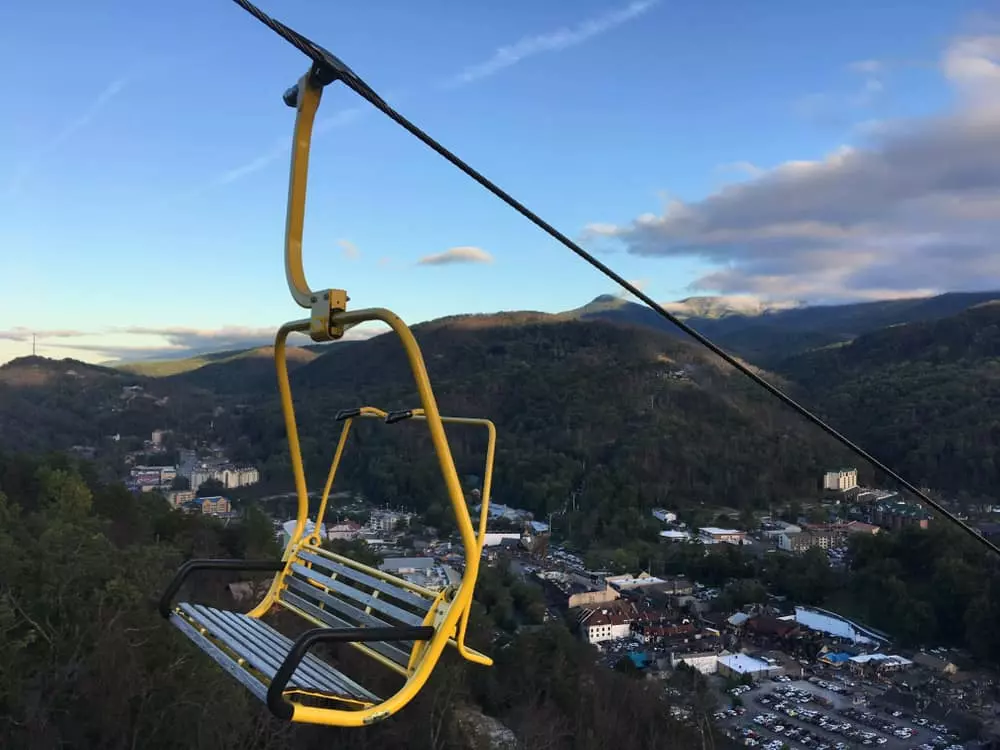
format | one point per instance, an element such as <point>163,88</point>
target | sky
<point>822,152</point>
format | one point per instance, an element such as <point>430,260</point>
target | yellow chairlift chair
<point>398,624</point>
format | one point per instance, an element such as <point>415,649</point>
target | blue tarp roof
<point>837,657</point>
<point>639,658</point>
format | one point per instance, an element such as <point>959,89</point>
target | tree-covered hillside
<point>87,661</point>
<point>626,417</point>
<point>925,396</point>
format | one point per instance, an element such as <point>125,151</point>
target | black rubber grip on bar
<point>192,565</point>
<point>284,709</point>
<point>347,414</point>
<point>398,416</point>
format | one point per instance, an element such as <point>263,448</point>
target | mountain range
<point>602,403</point>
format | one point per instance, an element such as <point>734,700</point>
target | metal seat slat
<point>396,592</point>
<point>243,635</point>
<point>264,648</point>
<point>311,672</point>
<point>386,649</point>
<point>367,600</point>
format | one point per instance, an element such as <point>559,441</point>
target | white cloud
<point>153,342</point>
<point>78,123</point>
<point>551,41</point>
<point>457,255</point>
<point>504,57</point>
<point>917,211</point>
<point>20,333</point>
<point>348,249</point>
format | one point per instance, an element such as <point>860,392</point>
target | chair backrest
<point>337,592</point>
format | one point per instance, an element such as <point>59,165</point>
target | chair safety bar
<point>189,567</point>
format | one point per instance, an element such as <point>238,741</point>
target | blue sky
<point>143,155</point>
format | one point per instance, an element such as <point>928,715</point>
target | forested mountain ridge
<point>925,395</point>
<point>626,416</point>
<point>768,334</point>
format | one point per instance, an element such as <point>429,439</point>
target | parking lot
<point>805,715</point>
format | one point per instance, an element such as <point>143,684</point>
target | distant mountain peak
<point>734,304</point>
<point>699,307</point>
<point>606,299</point>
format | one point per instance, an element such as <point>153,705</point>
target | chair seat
<point>252,651</point>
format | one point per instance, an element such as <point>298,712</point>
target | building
<point>664,516</point>
<point>178,498</point>
<point>715,535</point>
<point>742,665</point>
<point>794,541</point>
<point>593,598</point>
<point>605,624</point>
<point>879,663</point>
<point>833,624</point>
<point>868,496</point>
<point>187,460</point>
<point>405,565</point>
<point>824,536</point>
<point>385,521</point>
<point>209,506</point>
<point>898,514</point>
<point>934,663</point>
<point>230,476</point>
<point>653,632</point>
<point>859,527</point>
<point>506,512</point>
<point>157,437</point>
<point>772,528</point>
<point>343,530</point>
<point>701,659</point>
<point>496,539</point>
<point>627,582</point>
<point>840,480</point>
<point>771,628</point>
<point>238,476</point>
<point>675,536</point>
<point>152,476</point>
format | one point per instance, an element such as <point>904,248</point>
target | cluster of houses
<point>666,620</point>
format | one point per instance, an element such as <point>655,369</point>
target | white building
<point>627,582</point>
<point>495,538</point>
<point>840,479</point>
<point>833,624</point>
<point>229,475</point>
<point>674,536</point>
<point>238,476</point>
<point>384,521</point>
<point>343,530</point>
<point>664,516</point>
<point>716,535</point>
<point>739,665</point>
<point>598,625</point>
<point>706,662</point>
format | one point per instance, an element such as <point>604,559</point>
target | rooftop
<point>397,563</point>
<point>744,664</point>
<point>670,534</point>
<point>715,530</point>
